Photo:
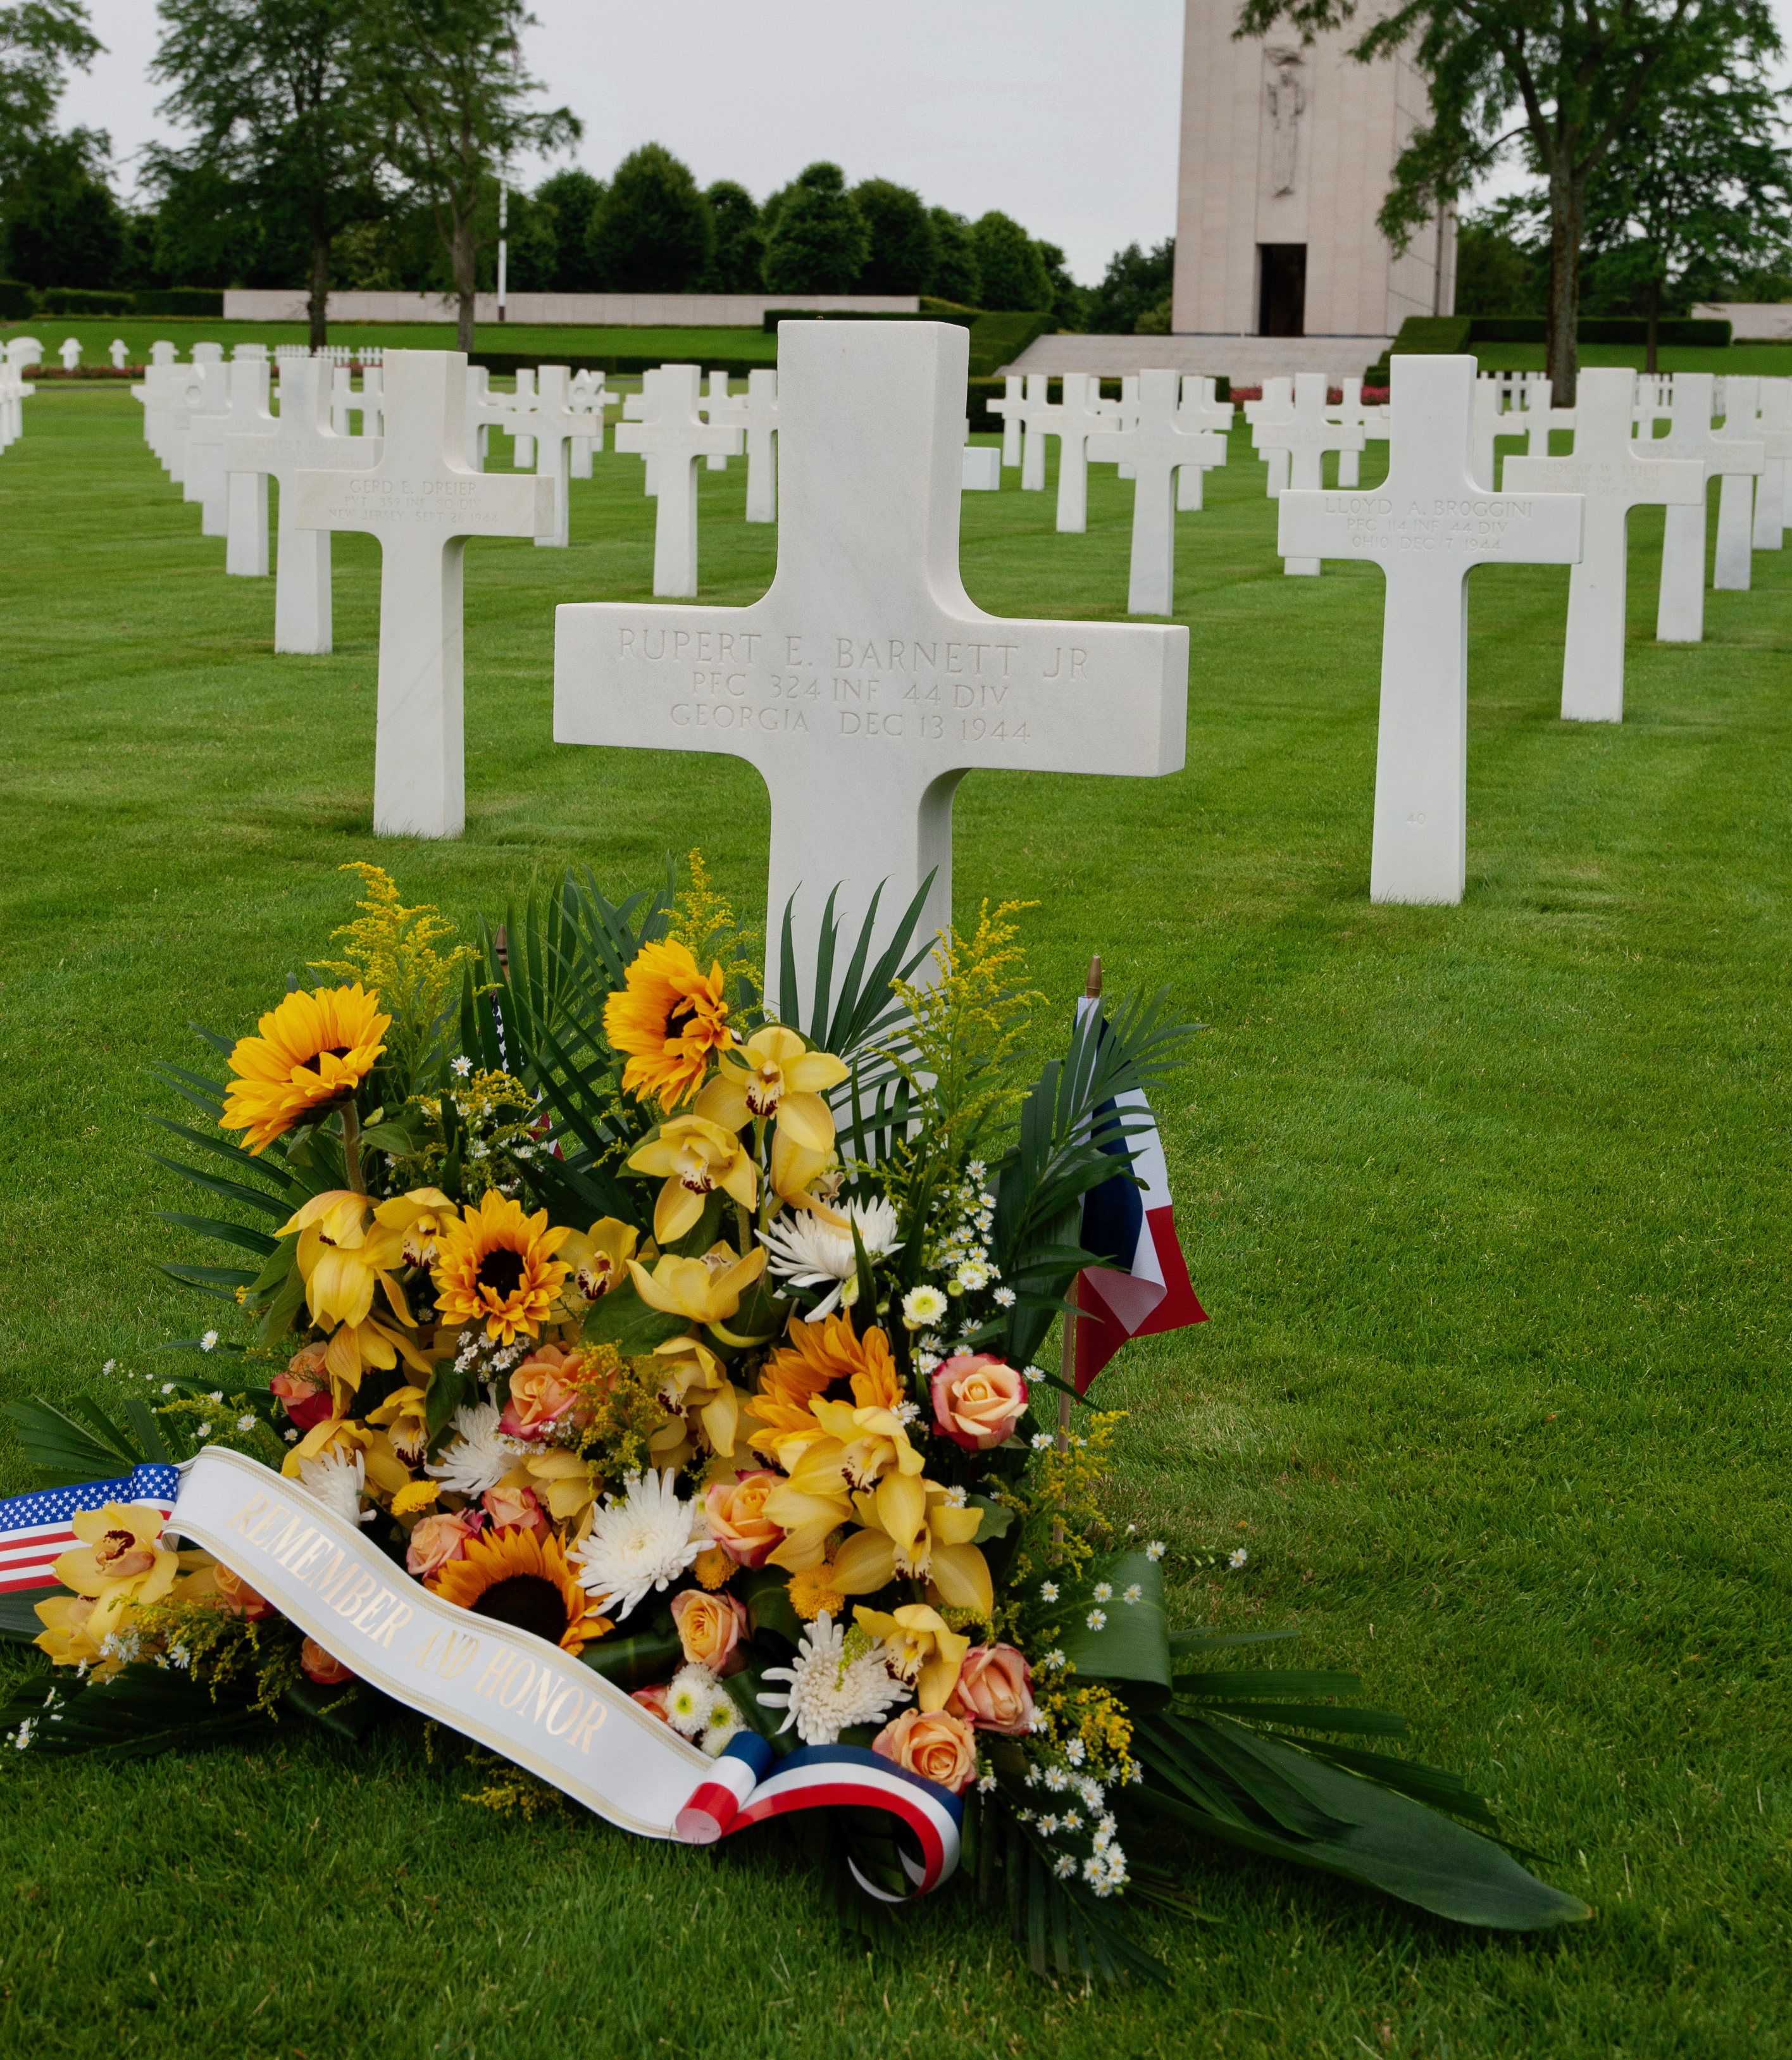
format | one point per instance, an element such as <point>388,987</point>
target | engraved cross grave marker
<point>418,495</point>
<point>866,683</point>
<point>1680,606</point>
<point>1160,439</point>
<point>1427,525</point>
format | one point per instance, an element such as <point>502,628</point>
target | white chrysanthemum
<point>808,1252</point>
<point>724,1722</point>
<point>645,1541</point>
<point>690,1694</point>
<point>336,1478</point>
<point>828,1691</point>
<point>922,1305</point>
<point>480,1456</point>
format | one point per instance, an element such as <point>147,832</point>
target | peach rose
<point>653,1699</point>
<point>514,1509</point>
<point>709,1627</point>
<point>321,1666</point>
<point>937,1746</point>
<point>435,1540</point>
<point>977,1400</point>
<point>995,1690</point>
<point>737,1519</point>
<point>243,1600</point>
<point>542,1393</point>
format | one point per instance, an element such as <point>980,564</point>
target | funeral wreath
<point>687,1339</point>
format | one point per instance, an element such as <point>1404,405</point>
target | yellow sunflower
<point>667,1020</point>
<point>314,1050</point>
<point>522,1578</point>
<point>497,1264</point>
<point>820,1356</point>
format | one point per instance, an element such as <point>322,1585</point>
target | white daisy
<point>480,1457</point>
<point>1155,1550</point>
<point>1063,1867</point>
<point>922,1305</point>
<point>1048,1591</point>
<point>808,1252</point>
<point>336,1478</point>
<point>1238,1558</point>
<point>1056,1779</point>
<point>208,1342</point>
<point>1005,1297</point>
<point>1104,1591</point>
<point>462,1065</point>
<point>1134,1594</point>
<point>828,1692</point>
<point>1096,1619</point>
<point>645,1541</point>
<point>245,1423</point>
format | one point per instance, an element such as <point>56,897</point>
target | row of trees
<point>1631,115</point>
<point>361,143</point>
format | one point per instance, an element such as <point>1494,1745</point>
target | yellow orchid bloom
<point>843,1448</point>
<point>911,1529</point>
<point>697,1157</point>
<point>334,1433</point>
<point>120,1559</point>
<point>775,1074</point>
<point>600,1256</point>
<point>697,1385</point>
<point>927,1652</point>
<point>806,1521</point>
<point>795,1169</point>
<point>704,1291</point>
<point>404,1415</point>
<point>562,1480</point>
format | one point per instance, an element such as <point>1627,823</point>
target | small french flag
<point>1146,1290</point>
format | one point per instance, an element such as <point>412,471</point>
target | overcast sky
<point>1060,113</point>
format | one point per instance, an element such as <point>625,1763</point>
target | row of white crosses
<point>1029,418</point>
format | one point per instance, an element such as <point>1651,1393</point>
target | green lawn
<point>1489,1205</point>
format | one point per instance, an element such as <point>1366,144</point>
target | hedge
<point>965,318</point>
<point>17,301</point>
<point>80,301</point>
<point>205,301</point>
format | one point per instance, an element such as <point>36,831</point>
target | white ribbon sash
<point>509,1689</point>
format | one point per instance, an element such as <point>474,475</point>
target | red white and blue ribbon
<point>36,1530</point>
<point>743,1791</point>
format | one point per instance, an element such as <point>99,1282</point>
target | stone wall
<point>595,310</point>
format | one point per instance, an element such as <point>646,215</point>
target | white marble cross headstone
<point>1077,419</point>
<point>1614,474</point>
<point>1427,525</point>
<point>588,396</point>
<point>1680,609</point>
<point>1201,409</point>
<point>69,353</point>
<point>671,433</point>
<point>245,516</point>
<point>118,353</point>
<point>205,448</point>
<point>557,423</point>
<point>1032,449</point>
<point>418,495</point>
<point>1012,409</point>
<point>1306,433</point>
<point>486,411</point>
<point>1160,440</point>
<point>866,683</point>
<point>187,398</point>
<point>1273,407</point>
<point>721,411</point>
<point>1732,555</point>
<point>762,445</point>
<point>1539,417</point>
<point>279,448</point>
<point>522,407</point>
<point>1773,425</point>
<point>1351,413</point>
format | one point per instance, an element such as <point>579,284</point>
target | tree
<point>284,128</point>
<point>39,39</point>
<point>1135,283</point>
<point>955,277</point>
<point>654,233</point>
<point>904,250</point>
<point>1069,302</point>
<point>1012,273</point>
<point>1497,272</point>
<point>450,74</point>
<point>1572,79</point>
<point>818,244</point>
<point>64,227</point>
<point>572,196</point>
<point>739,250</point>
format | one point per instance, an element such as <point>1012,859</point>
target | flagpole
<point>1092,992</point>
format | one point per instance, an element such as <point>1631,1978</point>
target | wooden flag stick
<point>1091,991</point>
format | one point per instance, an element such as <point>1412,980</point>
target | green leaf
<point>1132,1643</point>
<point>448,1388</point>
<point>62,1452</point>
<point>1357,1828</point>
<point>19,1621</point>
<point>622,1319</point>
<point>637,1662</point>
<point>256,1241</point>
<point>149,1431</point>
<point>766,1593</point>
<point>998,1519</point>
<point>275,1206</point>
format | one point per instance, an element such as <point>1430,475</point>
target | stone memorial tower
<point>1286,155</point>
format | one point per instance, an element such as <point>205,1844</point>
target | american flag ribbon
<point>36,1530</point>
<point>744,1791</point>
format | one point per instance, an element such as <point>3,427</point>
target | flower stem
<point>351,1146</point>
